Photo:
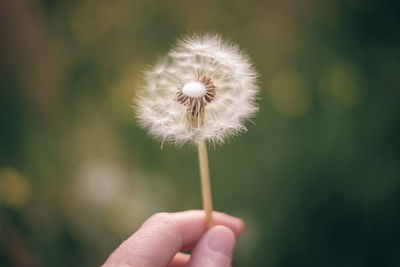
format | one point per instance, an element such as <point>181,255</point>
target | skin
<point>161,239</point>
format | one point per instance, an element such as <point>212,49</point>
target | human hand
<point>160,240</point>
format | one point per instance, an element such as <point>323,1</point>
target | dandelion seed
<point>203,90</point>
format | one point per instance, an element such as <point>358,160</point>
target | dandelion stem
<point>205,182</point>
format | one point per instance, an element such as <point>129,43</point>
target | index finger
<point>165,234</point>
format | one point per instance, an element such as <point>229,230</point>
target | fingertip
<point>221,239</point>
<point>240,227</point>
<point>215,248</point>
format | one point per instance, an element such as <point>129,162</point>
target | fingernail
<point>221,240</point>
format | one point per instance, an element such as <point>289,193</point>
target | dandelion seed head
<point>204,88</point>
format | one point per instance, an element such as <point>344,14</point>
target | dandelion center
<point>195,95</point>
<point>194,89</point>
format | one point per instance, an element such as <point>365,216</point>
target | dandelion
<point>202,91</point>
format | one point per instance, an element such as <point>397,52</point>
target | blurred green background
<point>316,178</point>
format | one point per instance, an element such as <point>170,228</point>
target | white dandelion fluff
<point>204,89</point>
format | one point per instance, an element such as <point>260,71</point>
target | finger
<point>180,260</point>
<point>165,234</point>
<point>214,249</point>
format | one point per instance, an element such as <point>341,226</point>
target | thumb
<point>214,249</point>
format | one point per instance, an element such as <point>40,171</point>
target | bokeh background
<point>316,178</point>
